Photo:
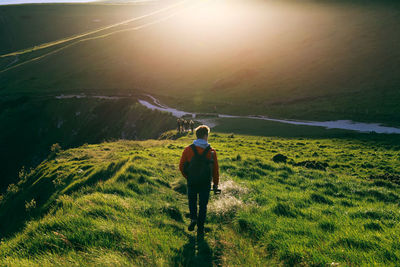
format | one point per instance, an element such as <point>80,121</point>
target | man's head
<point>202,132</point>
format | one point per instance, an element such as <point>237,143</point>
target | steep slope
<point>124,202</point>
<point>30,125</point>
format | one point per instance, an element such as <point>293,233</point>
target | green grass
<point>269,128</point>
<point>123,203</point>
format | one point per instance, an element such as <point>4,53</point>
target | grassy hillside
<point>50,22</point>
<point>30,125</point>
<point>310,60</point>
<point>119,203</point>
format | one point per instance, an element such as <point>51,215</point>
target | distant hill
<point>317,60</point>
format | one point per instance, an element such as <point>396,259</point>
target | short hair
<point>202,131</point>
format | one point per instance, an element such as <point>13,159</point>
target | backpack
<point>199,169</point>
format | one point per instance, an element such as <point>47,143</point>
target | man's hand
<point>216,190</point>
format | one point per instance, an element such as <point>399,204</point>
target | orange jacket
<point>187,156</point>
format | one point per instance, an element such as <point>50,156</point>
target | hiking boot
<point>192,225</point>
<point>200,234</point>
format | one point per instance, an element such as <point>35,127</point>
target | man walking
<point>199,165</point>
<point>186,123</point>
<point>179,125</point>
<point>191,123</point>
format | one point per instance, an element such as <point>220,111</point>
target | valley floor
<point>334,201</point>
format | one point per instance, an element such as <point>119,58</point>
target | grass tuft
<point>283,209</point>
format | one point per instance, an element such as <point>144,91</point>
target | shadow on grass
<point>194,254</point>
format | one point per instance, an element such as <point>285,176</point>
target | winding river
<point>339,124</point>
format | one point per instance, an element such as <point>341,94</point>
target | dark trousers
<point>204,194</point>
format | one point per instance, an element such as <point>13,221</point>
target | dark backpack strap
<point>194,149</point>
<point>206,151</point>
<point>204,154</point>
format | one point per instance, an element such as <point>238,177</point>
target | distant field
<point>23,26</point>
<point>309,60</point>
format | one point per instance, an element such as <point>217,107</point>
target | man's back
<point>188,154</point>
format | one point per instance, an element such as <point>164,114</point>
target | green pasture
<point>122,203</point>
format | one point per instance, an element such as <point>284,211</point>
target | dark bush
<point>373,226</point>
<point>278,158</point>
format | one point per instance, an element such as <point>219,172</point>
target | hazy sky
<point>10,2</point>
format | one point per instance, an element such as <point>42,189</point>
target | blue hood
<point>201,143</point>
